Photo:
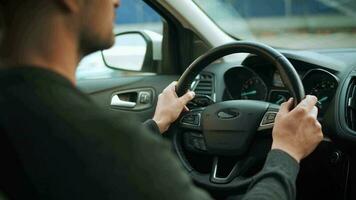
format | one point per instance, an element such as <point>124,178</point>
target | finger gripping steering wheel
<point>228,128</point>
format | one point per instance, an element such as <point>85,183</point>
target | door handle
<point>133,100</point>
<point>116,101</point>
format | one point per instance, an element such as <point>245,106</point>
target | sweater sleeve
<point>152,126</point>
<point>277,178</point>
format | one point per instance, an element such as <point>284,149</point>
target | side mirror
<point>135,51</point>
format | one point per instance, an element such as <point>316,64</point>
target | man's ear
<point>70,5</point>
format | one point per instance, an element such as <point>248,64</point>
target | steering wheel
<point>229,128</point>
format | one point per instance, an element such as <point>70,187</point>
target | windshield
<point>291,24</point>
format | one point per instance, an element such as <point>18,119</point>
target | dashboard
<point>328,74</point>
<point>255,78</point>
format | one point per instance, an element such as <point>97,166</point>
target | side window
<point>133,15</point>
<point>137,15</point>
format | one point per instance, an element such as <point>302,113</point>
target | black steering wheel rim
<point>288,75</point>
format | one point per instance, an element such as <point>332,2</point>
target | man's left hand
<point>170,106</point>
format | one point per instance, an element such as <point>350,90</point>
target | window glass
<point>291,24</point>
<point>137,15</point>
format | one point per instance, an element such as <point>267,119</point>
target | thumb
<point>187,97</point>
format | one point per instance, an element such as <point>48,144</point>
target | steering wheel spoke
<point>216,178</point>
<point>191,120</point>
<point>267,121</point>
<point>268,118</point>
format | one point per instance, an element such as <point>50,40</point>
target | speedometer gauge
<point>321,84</point>
<point>254,89</point>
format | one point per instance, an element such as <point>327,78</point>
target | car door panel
<point>102,92</point>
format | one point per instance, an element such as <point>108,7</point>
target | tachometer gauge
<point>254,89</point>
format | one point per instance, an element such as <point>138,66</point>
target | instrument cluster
<point>245,83</point>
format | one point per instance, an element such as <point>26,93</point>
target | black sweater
<point>57,144</point>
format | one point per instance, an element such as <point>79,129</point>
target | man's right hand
<point>170,106</point>
<point>297,131</point>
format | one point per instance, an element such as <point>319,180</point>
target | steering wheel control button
<point>199,144</point>
<point>191,120</point>
<point>269,118</point>
<point>194,142</point>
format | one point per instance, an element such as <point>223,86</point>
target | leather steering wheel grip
<point>288,74</point>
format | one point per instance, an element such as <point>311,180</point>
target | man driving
<point>56,143</point>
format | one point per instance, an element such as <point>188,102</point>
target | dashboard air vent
<point>351,105</point>
<point>203,85</point>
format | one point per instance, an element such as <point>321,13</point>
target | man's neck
<point>52,48</point>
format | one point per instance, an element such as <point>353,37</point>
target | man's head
<point>90,22</point>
